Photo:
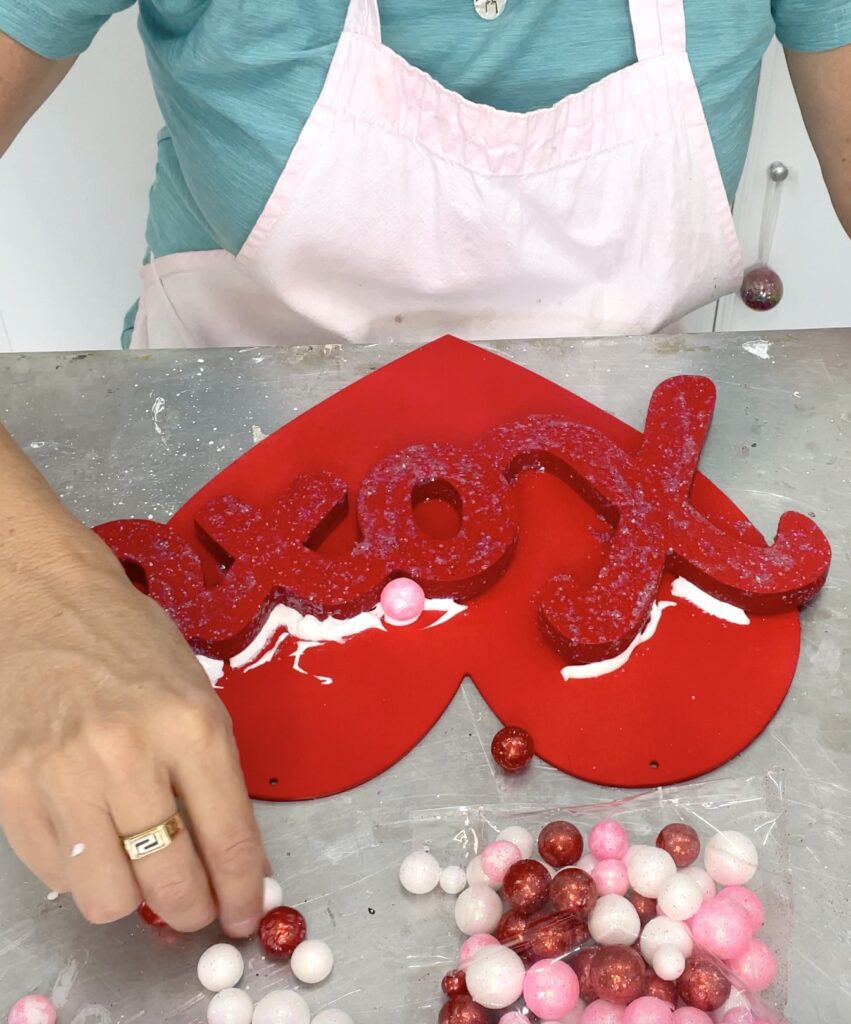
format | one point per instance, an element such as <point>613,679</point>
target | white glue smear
<point>78,850</point>
<point>65,983</point>
<point>760,349</point>
<point>307,645</point>
<point>214,669</point>
<point>707,603</point>
<point>446,605</point>
<point>605,668</point>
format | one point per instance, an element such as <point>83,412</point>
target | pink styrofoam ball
<point>722,927</point>
<point>747,899</point>
<point>608,840</point>
<point>498,857</point>
<point>601,1012</point>
<point>513,1017</point>
<point>551,989</point>
<point>648,1010</point>
<point>475,944</point>
<point>738,1015</point>
<point>33,1010</point>
<point>690,1015</point>
<point>756,966</point>
<point>610,876</point>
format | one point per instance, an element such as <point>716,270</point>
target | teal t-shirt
<point>237,79</point>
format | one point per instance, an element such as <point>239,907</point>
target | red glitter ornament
<point>455,984</point>
<point>512,749</point>
<point>560,844</point>
<point>645,907</point>
<point>581,964</point>
<point>527,885</point>
<point>462,1010</point>
<point>551,936</point>
<point>149,916</point>
<point>681,841</point>
<point>574,892</point>
<point>281,930</point>
<point>511,930</point>
<point>762,289</point>
<point>618,974</point>
<point>703,985</point>
<point>659,988</point>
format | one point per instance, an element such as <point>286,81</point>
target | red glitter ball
<point>618,974</point>
<point>581,964</point>
<point>703,985</point>
<point>681,841</point>
<point>573,891</point>
<point>281,930</point>
<point>661,989</point>
<point>149,916</point>
<point>527,885</point>
<point>762,288</point>
<point>511,930</point>
<point>560,844</point>
<point>644,905</point>
<point>551,936</point>
<point>455,984</point>
<point>512,749</point>
<point>462,1010</point>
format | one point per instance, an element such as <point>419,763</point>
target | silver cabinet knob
<point>778,171</point>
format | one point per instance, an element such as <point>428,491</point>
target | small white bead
<point>478,909</point>
<point>614,921</point>
<point>587,862</point>
<point>332,1016</point>
<point>704,882</point>
<point>273,895</point>
<point>281,1007</point>
<point>495,977</point>
<point>648,869</point>
<point>669,963</point>
<point>730,858</point>
<point>521,838</point>
<point>230,1006</point>
<point>419,873</point>
<point>662,931</point>
<point>453,880</point>
<point>680,898</point>
<point>220,967</point>
<point>476,874</point>
<point>312,961</point>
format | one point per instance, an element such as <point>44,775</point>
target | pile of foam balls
<point>615,934</point>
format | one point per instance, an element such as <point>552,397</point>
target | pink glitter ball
<point>756,967</point>
<point>747,899</point>
<point>608,840</point>
<point>402,602</point>
<point>498,857</point>
<point>610,876</point>
<point>33,1010</point>
<point>475,944</point>
<point>601,1012</point>
<point>738,1015</point>
<point>648,1010</point>
<point>690,1015</point>
<point>551,989</point>
<point>722,927</point>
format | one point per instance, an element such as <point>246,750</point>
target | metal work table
<point>134,435</point>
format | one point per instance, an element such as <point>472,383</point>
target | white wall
<point>73,201</point>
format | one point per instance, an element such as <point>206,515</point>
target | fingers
<point>173,881</point>
<point>30,831</point>
<point>225,830</point>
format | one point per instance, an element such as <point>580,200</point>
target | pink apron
<point>406,211</point>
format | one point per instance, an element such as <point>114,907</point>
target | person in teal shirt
<point>104,713</point>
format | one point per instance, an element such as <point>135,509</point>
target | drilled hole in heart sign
<point>437,509</point>
<point>654,764</point>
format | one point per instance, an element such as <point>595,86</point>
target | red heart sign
<point>560,528</point>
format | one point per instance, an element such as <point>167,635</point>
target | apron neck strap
<point>363,19</point>
<point>659,27</point>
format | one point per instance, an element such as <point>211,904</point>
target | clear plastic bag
<point>455,835</point>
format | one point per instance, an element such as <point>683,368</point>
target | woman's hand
<point>106,721</point>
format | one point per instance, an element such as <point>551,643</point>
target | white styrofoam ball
<point>453,880</point>
<point>230,1006</point>
<point>587,862</point>
<point>679,898</point>
<point>648,869</point>
<point>273,895</point>
<point>669,963</point>
<point>478,909</point>
<point>521,837</point>
<point>704,882</point>
<point>730,858</point>
<point>281,1007</point>
<point>419,873</point>
<point>614,921</point>
<point>332,1016</point>
<point>312,961</point>
<point>476,874</point>
<point>220,967</point>
<point>662,931</point>
<point>495,977</point>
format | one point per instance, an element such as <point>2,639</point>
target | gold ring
<point>152,840</point>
